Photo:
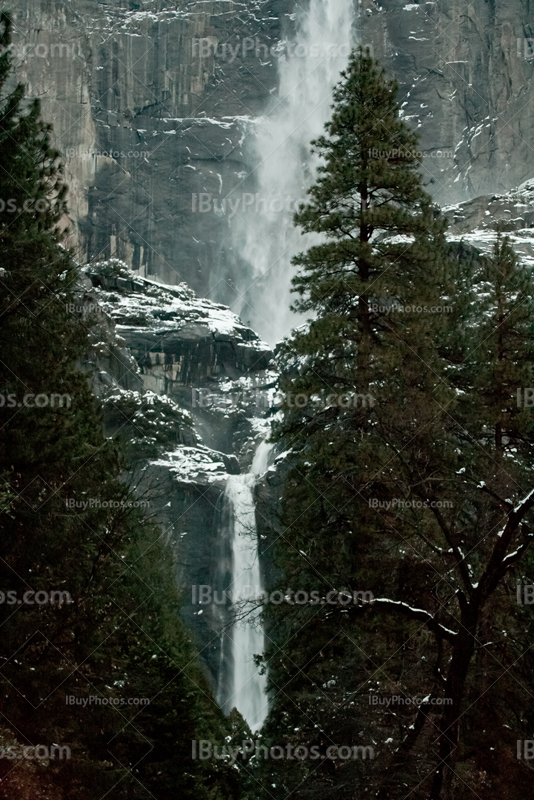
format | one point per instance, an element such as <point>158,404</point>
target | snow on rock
<point>133,301</point>
<point>177,338</point>
<point>193,353</point>
<point>198,465</point>
<point>474,220</point>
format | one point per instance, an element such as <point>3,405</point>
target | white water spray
<point>244,687</point>
<point>264,234</point>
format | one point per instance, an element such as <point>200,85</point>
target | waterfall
<point>264,237</point>
<point>241,685</point>
<point>263,231</point>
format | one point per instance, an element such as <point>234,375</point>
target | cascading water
<point>241,685</point>
<point>267,240</point>
<point>263,233</point>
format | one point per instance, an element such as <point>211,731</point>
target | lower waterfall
<point>241,685</point>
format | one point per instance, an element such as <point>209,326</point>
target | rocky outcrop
<point>475,221</point>
<point>178,339</point>
<point>188,389</point>
<point>196,352</point>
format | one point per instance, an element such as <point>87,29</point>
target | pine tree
<point>407,455</point>
<point>116,632</point>
<point>379,224</point>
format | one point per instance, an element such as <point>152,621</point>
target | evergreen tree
<point>111,628</point>
<point>408,454</point>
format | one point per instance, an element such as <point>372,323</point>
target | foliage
<point>410,472</point>
<point>105,628</point>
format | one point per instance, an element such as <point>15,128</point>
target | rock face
<point>465,72</point>
<point>153,102</point>
<point>150,102</point>
<point>475,221</point>
<point>177,338</point>
<point>188,388</point>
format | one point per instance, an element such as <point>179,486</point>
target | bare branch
<point>419,614</point>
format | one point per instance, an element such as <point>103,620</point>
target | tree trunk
<point>450,720</point>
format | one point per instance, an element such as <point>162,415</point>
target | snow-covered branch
<point>418,614</point>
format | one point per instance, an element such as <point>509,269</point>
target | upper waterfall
<point>265,236</point>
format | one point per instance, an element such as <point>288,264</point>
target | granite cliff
<point>154,103</point>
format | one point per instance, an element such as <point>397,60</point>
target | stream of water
<point>265,236</point>
<point>244,685</point>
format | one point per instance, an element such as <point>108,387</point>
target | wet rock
<point>188,388</point>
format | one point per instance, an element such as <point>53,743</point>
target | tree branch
<point>418,614</point>
<point>499,562</point>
